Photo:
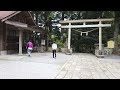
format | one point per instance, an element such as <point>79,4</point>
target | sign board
<point>42,42</point>
<point>110,44</point>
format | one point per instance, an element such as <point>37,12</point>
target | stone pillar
<point>42,45</point>
<point>100,37</point>
<point>69,36</point>
<point>20,41</point>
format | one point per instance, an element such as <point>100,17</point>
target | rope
<point>87,31</point>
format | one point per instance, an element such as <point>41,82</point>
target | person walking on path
<point>54,48</point>
<point>29,47</point>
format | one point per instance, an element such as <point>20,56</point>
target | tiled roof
<point>4,14</point>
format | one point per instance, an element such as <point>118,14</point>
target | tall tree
<point>47,17</point>
<point>116,24</point>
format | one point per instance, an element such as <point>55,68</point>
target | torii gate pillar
<point>100,37</point>
<point>69,40</point>
<point>69,36</point>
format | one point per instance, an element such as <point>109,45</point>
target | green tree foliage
<point>45,17</point>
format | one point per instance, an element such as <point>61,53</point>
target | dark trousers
<point>54,53</point>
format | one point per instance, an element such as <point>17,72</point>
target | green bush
<point>59,43</point>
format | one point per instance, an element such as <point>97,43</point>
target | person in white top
<point>54,48</point>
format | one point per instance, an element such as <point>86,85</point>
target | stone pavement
<point>87,66</point>
<point>38,66</point>
<point>75,66</point>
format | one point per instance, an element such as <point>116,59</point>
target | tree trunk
<point>46,39</point>
<point>37,18</point>
<point>46,36</point>
<point>63,13</point>
<point>116,22</point>
<point>78,15</point>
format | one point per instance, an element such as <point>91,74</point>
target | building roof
<point>4,14</point>
<point>24,26</point>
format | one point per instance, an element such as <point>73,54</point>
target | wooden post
<point>100,37</point>
<point>20,42</point>
<point>1,38</point>
<point>69,36</point>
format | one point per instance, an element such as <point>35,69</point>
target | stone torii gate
<point>85,25</point>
